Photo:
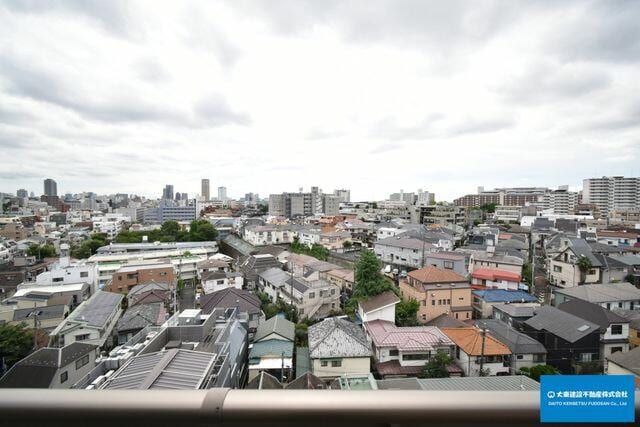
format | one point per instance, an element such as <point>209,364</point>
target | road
<point>188,298</point>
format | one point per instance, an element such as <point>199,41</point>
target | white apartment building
<point>612,193</point>
<point>64,272</point>
<point>561,201</point>
<point>110,224</point>
<point>508,213</point>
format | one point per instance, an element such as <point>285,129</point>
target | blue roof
<point>502,295</point>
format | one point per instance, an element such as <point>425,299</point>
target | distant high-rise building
<point>303,204</point>
<point>185,196</point>
<point>22,193</point>
<point>612,193</point>
<point>516,196</point>
<point>32,194</point>
<point>178,197</point>
<point>562,201</point>
<point>344,195</point>
<point>167,193</point>
<point>222,193</point>
<point>50,187</point>
<point>408,198</point>
<point>425,198</point>
<point>205,192</point>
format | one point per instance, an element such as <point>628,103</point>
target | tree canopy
<point>316,251</point>
<point>89,247</point>
<point>200,230</point>
<point>407,313</point>
<point>15,343</point>
<point>534,372</point>
<point>369,281</point>
<point>41,251</point>
<point>437,366</point>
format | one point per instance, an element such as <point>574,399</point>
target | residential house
<point>344,278</point>
<point>403,351</point>
<point>625,363</point>
<point>192,350</point>
<point>614,329</point>
<point>494,278</point>
<point>563,268</point>
<point>570,340</point>
<point>49,367</point>
<point>338,347</point>
<point>212,264</point>
<point>149,293</point>
<point>438,291</point>
<point>272,349</point>
<point>256,264</point>
<point>335,240</point>
<point>485,299</point>
<point>127,277</point>
<point>611,296</point>
<point>402,252</point>
<point>617,238</point>
<point>263,381</point>
<point>47,317</point>
<point>474,347</point>
<point>240,299</point>
<point>270,234</point>
<point>309,237</point>
<point>497,260</point>
<point>446,321</point>
<point>379,307</point>
<point>28,295</point>
<point>92,322</point>
<point>139,317</point>
<point>213,281</point>
<point>525,351</point>
<point>633,316</point>
<point>308,267</point>
<point>447,261</point>
<point>513,314</point>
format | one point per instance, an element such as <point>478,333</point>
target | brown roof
<point>470,341</point>
<point>379,301</point>
<point>436,275</point>
<point>343,273</point>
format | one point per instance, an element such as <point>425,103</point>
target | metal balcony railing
<point>25,407</point>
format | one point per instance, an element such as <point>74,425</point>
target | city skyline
<point>383,96</point>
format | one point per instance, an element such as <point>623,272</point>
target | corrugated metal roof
<point>497,383</point>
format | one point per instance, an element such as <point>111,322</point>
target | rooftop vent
<point>583,328</point>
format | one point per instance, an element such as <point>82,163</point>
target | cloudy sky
<point>375,96</point>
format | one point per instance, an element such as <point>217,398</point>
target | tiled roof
<point>229,298</point>
<point>603,292</point>
<point>446,321</point>
<point>562,324</point>
<point>335,337</point>
<point>382,300</point>
<point>470,341</point>
<point>592,312</point>
<point>517,342</point>
<point>432,274</point>
<point>414,338</point>
<point>278,325</point>
<point>343,273</point>
<point>629,360</point>
<point>497,383</point>
<point>404,242</point>
<point>495,274</point>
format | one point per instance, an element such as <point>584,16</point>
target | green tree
<point>437,366</point>
<point>584,265</point>
<point>526,274</point>
<point>41,251</point>
<point>488,207</point>
<point>301,335</point>
<point>407,312</point>
<point>534,372</point>
<point>170,228</point>
<point>202,231</point>
<point>347,244</point>
<point>16,343</point>
<point>368,279</point>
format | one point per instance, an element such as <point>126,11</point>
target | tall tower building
<point>612,193</point>
<point>50,187</point>
<point>205,192</point>
<point>167,193</point>
<point>222,193</point>
<point>22,193</point>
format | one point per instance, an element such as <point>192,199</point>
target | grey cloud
<point>548,81</point>
<point>628,118</point>
<point>599,31</point>
<point>113,15</point>
<point>479,126</point>
<point>150,70</point>
<point>383,148</point>
<point>215,111</point>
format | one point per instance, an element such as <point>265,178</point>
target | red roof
<point>495,274</point>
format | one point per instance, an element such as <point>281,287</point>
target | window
<point>616,329</point>
<point>64,377</point>
<point>456,315</point>
<point>333,291</point>
<point>336,363</point>
<point>448,265</point>
<point>448,302</point>
<point>417,356</point>
<point>433,302</point>
<point>84,274</point>
<point>81,362</point>
<point>615,349</point>
<point>82,337</point>
<point>557,269</point>
<point>324,363</point>
<point>592,271</point>
<point>538,358</point>
<point>585,357</point>
<point>57,279</point>
<point>393,352</point>
<point>424,317</point>
<point>467,315</point>
<point>520,356</point>
<point>312,295</point>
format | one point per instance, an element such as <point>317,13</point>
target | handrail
<point>118,408</point>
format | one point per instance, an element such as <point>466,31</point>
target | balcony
<point>269,407</point>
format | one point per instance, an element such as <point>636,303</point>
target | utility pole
<point>35,326</point>
<point>282,368</point>
<point>484,333</point>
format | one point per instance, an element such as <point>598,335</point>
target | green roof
<point>271,348</point>
<point>303,362</point>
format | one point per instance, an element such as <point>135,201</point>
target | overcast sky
<point>268,96</point>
